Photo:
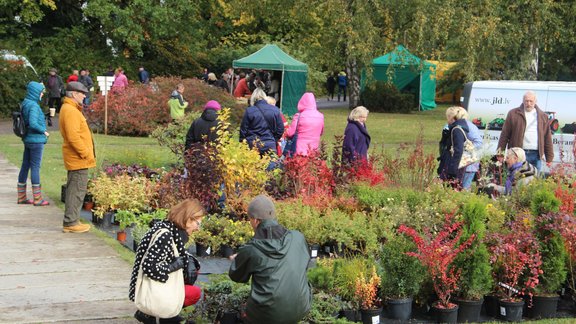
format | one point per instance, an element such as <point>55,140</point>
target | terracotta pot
<point>121,236</point>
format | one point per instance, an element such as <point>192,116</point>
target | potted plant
<point>366,288</point>
<point>402,276</point>
<point>345,273</point>
<point>437,254</point>
<point>224,299</point>
<point>516,261</point>
<point>476,277</point>
<point>124,218</point>
<point>208,238</point>
<point>120,192</point>
<point>233,234</point>
<point>554,269</point>
<point>143,223</point>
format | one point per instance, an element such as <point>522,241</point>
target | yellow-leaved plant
<point>243,169</point>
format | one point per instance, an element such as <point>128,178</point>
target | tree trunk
<point>353,83</point>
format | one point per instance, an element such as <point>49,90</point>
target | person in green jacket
<point>276,259</point>
<point>177,103</point>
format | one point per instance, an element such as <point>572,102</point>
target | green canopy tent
<point>410,74</point>
<point>294,74</point>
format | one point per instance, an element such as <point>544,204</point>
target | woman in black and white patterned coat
<point>182,220</point>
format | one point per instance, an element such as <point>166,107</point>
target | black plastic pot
<point>351,315</point>
<point>399,309</point>
<point>371,316</point>
<point>107,220</point>
<point>202,251</point>
<point>314,249</point>
<point>544,306</point>
<point>469,310</point>
<point>63,193</point>
<point>446,315</point>
<point>227,317</point>
<point>491,305</point>
<point>226,251</point>
<point>511,311</point>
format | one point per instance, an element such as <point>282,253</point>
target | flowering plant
<point>437,254</point>
<point>242,169</point>
<point>310,178</point>
<point>366,289</point>
<point>516,257</point>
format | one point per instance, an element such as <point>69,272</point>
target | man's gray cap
<point>262,207</point>
<point>76,86</point>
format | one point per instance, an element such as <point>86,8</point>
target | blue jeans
<point>533,157</point>
<point>467,180</point>
<point>31,160</point>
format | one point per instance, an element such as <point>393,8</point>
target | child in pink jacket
<point>310,124</point>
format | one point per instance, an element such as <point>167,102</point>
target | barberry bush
<point>139,109</point>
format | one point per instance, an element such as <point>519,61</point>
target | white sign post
<point>105,83</point>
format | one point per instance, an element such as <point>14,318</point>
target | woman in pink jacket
<point>308,123</point>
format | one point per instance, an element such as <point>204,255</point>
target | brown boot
<point>22,199</point>
<point>37,192</point>
<point>78,228</point>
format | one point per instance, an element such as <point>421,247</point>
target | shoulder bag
<point>160,299</point>
<point>290,148</point>
<point>469,154</point>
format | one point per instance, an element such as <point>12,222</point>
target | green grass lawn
<point>386,130</point>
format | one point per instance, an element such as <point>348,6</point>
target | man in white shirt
<point>528,127</point>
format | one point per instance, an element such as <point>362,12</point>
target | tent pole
<point>420,93</point>
<point>282,91</point>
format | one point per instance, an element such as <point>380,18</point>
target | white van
<point>488,103</point>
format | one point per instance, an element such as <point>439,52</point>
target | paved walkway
<point>50,276</point>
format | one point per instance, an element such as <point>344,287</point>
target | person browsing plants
<point>159,286</point>
<point>276,260</point>
<point>78,153</point>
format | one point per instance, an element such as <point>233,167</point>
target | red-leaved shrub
<point>139,109</point>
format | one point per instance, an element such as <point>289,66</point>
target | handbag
<point>290,148</point>
<point>192,270</point>
<point>160,299</point>
<point>469,154</point>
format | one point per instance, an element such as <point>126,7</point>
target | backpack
<point>18,124</point>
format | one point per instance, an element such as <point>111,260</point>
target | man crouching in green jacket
<point>277,259</point>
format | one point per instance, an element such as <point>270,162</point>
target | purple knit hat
<point>212,104</point>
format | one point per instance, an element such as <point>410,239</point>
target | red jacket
<point>242,89</point>
<point>512,134</point>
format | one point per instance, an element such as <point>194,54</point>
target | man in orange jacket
<point>78,153</point>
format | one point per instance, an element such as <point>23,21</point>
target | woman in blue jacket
<point>36,137</point>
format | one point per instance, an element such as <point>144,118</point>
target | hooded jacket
<point>276,259</point>
<point>177,105</point>
<point>262,122</point>
<point>77,144</point>
<point>449,161</point>
<point>205,126</point>
<point>356,142</point>
<point>308,123</point>
<point>512,134</point>
<point>33,115</point>
<point>54,84</point>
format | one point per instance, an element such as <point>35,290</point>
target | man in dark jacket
<point>527,127</point>
<point>55,87</point>
<point>204,128</point>
<point>276,259</point>
<point>262,123</point>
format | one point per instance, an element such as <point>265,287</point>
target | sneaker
<point>78,228</point>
